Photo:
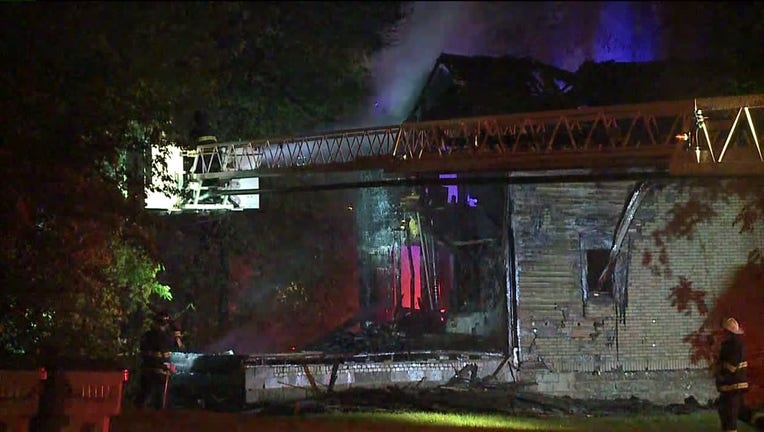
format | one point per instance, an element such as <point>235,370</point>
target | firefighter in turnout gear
<point>156,367</point>
<point>177,335</point>
<point>731,375</point>
<point>202,132</point>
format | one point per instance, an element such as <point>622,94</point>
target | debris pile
<point>372,338</point>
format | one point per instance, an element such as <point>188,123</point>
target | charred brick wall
<point>557,329</point>
<point>562,332</point>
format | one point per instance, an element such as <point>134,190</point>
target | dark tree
<point>84,86</point>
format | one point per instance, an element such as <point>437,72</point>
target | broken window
<point>596,261</point>
<point>594,249</point>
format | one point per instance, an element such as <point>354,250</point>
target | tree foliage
<point>86,86</point>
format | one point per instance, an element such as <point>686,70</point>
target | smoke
<point>400,71</point>
<point>563,34</point>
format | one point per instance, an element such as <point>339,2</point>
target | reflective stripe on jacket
<point>732,367</point>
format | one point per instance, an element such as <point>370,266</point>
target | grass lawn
<point>138,421</point>
<point>699,422</point>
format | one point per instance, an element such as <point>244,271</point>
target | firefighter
<point>156,367</point>
<point>202,132</point>
<point>177,335</point>
<point>731,375</point>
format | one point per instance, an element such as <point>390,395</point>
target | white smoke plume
<point>563,34</point>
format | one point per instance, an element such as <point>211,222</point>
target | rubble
<point>371,338</point>
<point>405,335</point>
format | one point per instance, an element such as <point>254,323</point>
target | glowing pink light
<point>406,300</point>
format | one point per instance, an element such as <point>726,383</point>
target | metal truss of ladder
<point>689,137</point>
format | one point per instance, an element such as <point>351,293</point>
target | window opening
<point>596,261</point>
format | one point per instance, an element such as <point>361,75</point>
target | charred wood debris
<point>423,330</point>
<point>372,337</point>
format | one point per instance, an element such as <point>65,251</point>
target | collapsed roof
<point>462,86</point>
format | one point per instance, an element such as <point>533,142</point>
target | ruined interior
<point>432,272</point>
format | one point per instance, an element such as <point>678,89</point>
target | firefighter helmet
<point>162,317</point>
<point>732,326</point>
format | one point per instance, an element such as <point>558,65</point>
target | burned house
<point>595,286</point>
<point>569,280</point>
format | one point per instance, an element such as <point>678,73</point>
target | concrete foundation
<point>291,380</point>
<point>287,377</point>
<point>660,387</point>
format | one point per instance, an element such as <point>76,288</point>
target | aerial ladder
<point>717,136</point>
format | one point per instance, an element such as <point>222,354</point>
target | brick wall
<point>647,385</point>
<point>652,336</point>
<point>548,221</point>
